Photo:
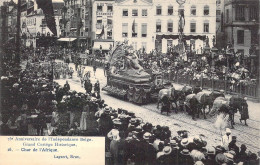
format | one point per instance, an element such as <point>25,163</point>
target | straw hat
<point>167,150</point>
<point>147,135</point>
<point>184,142</point>
<point>185,152</point>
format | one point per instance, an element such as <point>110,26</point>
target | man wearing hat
<point>210,155</point>
<point>149,151</point>
<point>105,123</point>
<point>226,139</point>
<point>175,151</point>
<point>166,158</point>
<point>185,158</point>
<point>232,145</point>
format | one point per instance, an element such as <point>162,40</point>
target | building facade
<point>102,24</point>
<point>241,24</point>
<point>134,22</point>
<point>157,23</point>
<point>76,20</point>
<point>34,30</point>
<point>8,22</point>
<point>199,23</point>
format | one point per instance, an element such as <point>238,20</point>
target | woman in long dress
<point>83,120</point>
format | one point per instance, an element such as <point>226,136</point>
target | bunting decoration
<point>47,8</point>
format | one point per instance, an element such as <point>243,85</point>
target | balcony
<point>100,13</point>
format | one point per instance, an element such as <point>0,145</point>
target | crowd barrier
<point>250,90</point>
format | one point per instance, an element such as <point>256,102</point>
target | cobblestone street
<point>248,135</point>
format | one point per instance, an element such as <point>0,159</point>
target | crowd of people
<point>31,100</point>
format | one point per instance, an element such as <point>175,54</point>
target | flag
<point>47,8</point>
<point>133,26</point>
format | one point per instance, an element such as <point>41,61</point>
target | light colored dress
<point>83,121</point>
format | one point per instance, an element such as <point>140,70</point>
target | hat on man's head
<point>199,163</point>
<point>173,142</point>
<point>185,152</point>
<point>228,130</point>
<point>211,150</point>
<point>219,148</point>
<point>184,142</point>
<point>117,121</point>
<point>107,110</point>
<point>147,135</point>
<point>229,156</point>
<point>167,150</point>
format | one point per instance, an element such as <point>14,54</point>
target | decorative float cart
<point>126,78</point>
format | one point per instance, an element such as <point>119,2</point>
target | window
<point>109,21</point>
<point>99,21</point>
<point>124,29</point>
<point>253,14</point>
<point>134,12</point>
<point>125,12</point>
<point>218,12</point>
<point>134,30</point>
<point>144,30</point>
<point>109,35</point>
<point>227,15</point>
<point>82,13</point>
<point>170,10</point>
<point>240,37</point>
<point>169,26</point>
<point>158,26</point>
<point>158,10</point>
<point>206,27</point>
<point>144,12</point>
<point>99,8</point>
<point>240,13</point>
<point>206,10</point>
<point>193,10</point>
<point>192,27</point>
<point>109,8</point>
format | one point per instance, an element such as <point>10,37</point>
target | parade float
<point>128,80</point>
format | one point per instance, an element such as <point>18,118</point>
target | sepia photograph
<point>129,82</point>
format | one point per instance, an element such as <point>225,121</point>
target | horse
<point>192,104</point>
<point>169,92</point>
<point>234,104</point>
<point>207,99</point>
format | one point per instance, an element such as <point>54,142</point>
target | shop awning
<point>67,39</point>
<point>105,45</point>
<point>98,31</point>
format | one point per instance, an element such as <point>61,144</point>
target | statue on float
<point>125,61</point>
